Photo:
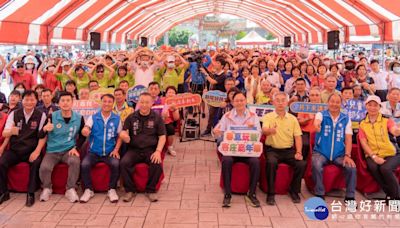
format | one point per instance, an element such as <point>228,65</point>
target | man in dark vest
<point>22,127</point>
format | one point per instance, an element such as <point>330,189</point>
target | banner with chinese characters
<point>85,107</point>
<point>184,100</point>
<point>355,109</point>
<point>214,98</point>
<point>95,95</point>
<point>260,110</point>
<point>305,107</point>
<point>241,142</point>
<point>134,93</point>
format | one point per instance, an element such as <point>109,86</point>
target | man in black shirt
<point>47,107</point>
<point>144,132</point>
<point>22,128</point>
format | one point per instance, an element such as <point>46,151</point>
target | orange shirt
<point>309,125</point>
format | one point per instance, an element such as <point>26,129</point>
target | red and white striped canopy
<point>306,21</point>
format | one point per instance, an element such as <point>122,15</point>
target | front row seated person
<point>239,116</point>
<point>21,131</point>
<point>102,129</point>
<point>283,145</point>
<point>380,147</point>
<point>333,144</point>
<point>62,131</point>
<point>144,132</point>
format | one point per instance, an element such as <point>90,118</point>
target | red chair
<point>100,177</point>
<point>240,180</point>
<point>284,175</point>
<point>333,176</point>
<point>59,178</point>
<point>140,175</point>
<point>365,182</point>
<point>18,177</point>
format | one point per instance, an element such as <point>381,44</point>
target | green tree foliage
<point>240,35</point>
<point>176,36</point>
<point>270,36</point>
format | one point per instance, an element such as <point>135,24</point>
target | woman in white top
<point>250,83</point>
<point>394,75</point>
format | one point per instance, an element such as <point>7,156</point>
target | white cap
<point>170,58</point>
<point>29,60</point>
<point>373,98</point>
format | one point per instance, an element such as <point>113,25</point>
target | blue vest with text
<point>330,141</point>
<point>103,137</point>
<point>63,136</point>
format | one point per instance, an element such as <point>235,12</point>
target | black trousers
<point>9,159</point>
<point>212,111</point>
<point>254,165</point>
<point>306,144</point>
<point>127,166</point>
<point>384,175</point>
<point>274,157</point>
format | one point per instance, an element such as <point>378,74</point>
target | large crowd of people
<point>40,127</point>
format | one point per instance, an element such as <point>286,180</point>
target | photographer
<point>216,81</point>
<point>198,61</point>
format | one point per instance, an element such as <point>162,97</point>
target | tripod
<point>197,125</point>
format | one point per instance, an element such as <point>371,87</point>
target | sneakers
<point>113,196</point>
<point>152,196</point>
<point>129,196</point>
<point>172,151</point>
<point>45,195</point>
<point>227,200</point>
<point>71,195</point>
<point>87,195</point>
<point>252,200</point>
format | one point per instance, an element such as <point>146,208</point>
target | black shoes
<point>252,200</point>
<point>271,200</point>
<point>4,197</point>
<point>30,199</point>
<point>294,196</point>
<point>227,200</point>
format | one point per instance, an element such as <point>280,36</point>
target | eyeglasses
<point>100,71</point>
<point>20,66</point>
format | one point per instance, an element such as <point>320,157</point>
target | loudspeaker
<point>333,40</point>
<point>143,41</point>
<point>95,39</point>
<point>287,41</point>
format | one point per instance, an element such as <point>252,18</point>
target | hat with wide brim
<point>392,64</point>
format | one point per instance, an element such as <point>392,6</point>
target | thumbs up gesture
<point>49,126</point>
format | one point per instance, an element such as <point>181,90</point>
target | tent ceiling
<point>306,21</point>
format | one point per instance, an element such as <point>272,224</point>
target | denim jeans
<point>92,159</point>
<point>318,163</point>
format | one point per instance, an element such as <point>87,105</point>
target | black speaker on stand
<point>95,39</point>
<point>333,40</point>
<point>143,41</point>
<point>287,41</point>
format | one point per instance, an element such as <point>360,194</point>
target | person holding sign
<point>333,143</point>
<point>170,115</point>
<point>103,147</point>
<point>21,130</point>
<point>283,144</point>
<point>380,150</point>
<point>144,132</point>
<point>239,116</point>
<point>61,131</point>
